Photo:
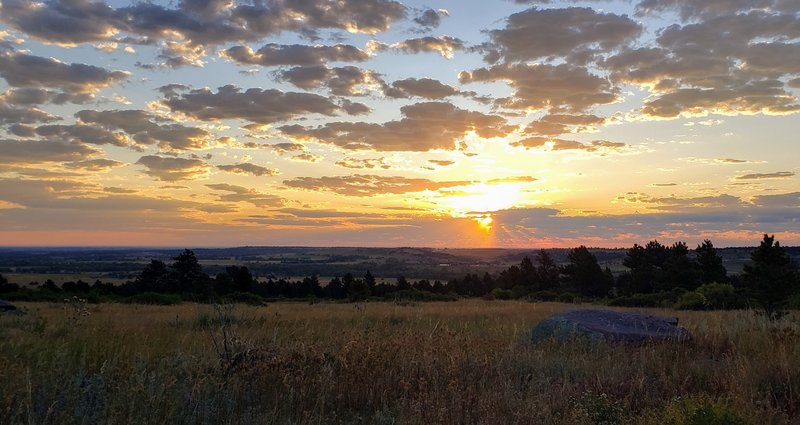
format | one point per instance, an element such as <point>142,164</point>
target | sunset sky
<point>379,123</point>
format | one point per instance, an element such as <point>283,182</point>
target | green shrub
<point>543,296</point>
<point>153,298</point>
<point>658,299</point>
<point>692,301</point>
<point>243,298</point>
<point>722,296</point>
<point>700,411</point>
<point>502,294</point>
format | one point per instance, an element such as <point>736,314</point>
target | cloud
<point>82,133</point>
<point>173,169</point>
<point>542,86</point>
<point>148,129</point>
<point>247,168</point>
<point>31,152</point>
<point>430,18</point>
<point>23,70</point>
<point>341,81</point>
<point>737,161</point>
<point>195,22</point>
<point>760,176</point>
<point>243,194</point>
<point>555,124</point>
<point>306,157</point>
<point>427,88</point>
<point>445,45</point>
<point>95,165</point>
<point>424,127</point>
<point>555,144</point>
<point>368,185</point>
<point>295,54</point>
<point>441,162</point>
<point>262,106</point>
<point>15,116</point>
<point>366,163</point>
<point>728,63</point>
<point>575,33</point>
<point>282,148</point>
<point>36,96</point>
<point>710,8</point>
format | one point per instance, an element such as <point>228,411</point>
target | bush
<point>658,299</point>
<point>243,298</point>
<point>543,296</point>
<point>722,296</point>
<point>700,411</point>
<point>153,298</point>
<point>692,301</point>
<point>502,294</point>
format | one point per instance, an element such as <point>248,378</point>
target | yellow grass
<point>453,363</point>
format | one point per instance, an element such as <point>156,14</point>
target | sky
<point>457,123</point>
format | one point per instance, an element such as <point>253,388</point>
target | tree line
<point>656,275</point>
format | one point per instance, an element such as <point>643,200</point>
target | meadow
<point>464,362</point>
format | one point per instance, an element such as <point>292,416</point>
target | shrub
<point>692,301</point>
<point>243,298</point>
<point>721,296</point>
<point>154,298</point>
<point>544,296</point>
<point>700,411</point>
<point>502,294</point>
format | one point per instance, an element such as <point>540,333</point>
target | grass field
<point>466,362</point>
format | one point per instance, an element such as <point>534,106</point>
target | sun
<point>484,222</point>
<point>482,198</point>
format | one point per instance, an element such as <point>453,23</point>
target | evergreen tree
<point>155,277</point>
<point>547,272</point>
<point>771,276</point>
<point>585,275</point>
<point>188,273</point>
<point>710,263</point>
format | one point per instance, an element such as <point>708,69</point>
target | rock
<point>7,306</point>
<point>598,326</point>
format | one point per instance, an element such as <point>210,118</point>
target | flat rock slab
<point>600,326</point>
<point>7,306</point>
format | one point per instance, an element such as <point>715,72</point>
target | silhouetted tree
<point>188,274</point>
<point>585,275</point>
<point>771,276</point>
<point>711,268</point>
<point>678,270</point>
<point>369,279</point>
<point>155,277</point>
<point>547,272</point>
<point>335,289</point>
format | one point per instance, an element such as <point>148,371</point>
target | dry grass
<point>464,362</point>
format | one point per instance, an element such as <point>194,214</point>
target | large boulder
<point>7,306</point>
<point>599,326</point>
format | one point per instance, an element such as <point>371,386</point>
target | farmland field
<point>455,363</point>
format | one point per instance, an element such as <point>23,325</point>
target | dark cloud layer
<point>368,185</point>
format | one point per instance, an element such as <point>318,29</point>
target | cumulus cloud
<point>173,169</point>
<point>147,129</point>
<point>555,144</point>
<point>555,124</point>
<point>11,115</point>
<point>95,165</point>
<point>729,63</point>
<point>366,163</point>
<point>28,96</point>
<point>368,185</point>
<point>295,54</point>
<point>430,18</point>
<point>710,8</point>
<point>427,88</point>
<point>30,151</point>
<point>24,70</point>
<point>575,33</point>
<point>341,81</point>
<point>248,168</point>
<point>243,194</point>
<point>445,45</point>
<point>195,22</point>
<point>424,126</point>
<point>82,133</point>
<point>262,106</point>
<point>542,86</point>
<point>760,176</point>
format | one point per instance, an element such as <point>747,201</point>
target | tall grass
<point>464,362</point>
